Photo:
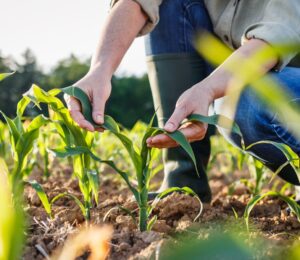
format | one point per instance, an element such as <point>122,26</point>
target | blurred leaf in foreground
<point>12,222</point>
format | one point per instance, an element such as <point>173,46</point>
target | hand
<point>98,87</point>
<point>195,100</point>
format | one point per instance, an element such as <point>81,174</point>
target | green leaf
<point>64,133</point>
<point>25,144</point>
<point>151,223</point>
<point>292,204</point>
<point>12,219</point>
<point>5,75</point>
<point>14,133</point>
<point>77,201</point>
<point>285,149</point>
<point>179,138</point>
<point>235,213</point>
<point>217,120</point>
<point>135,157</point>
<point>72,151</point>
<point>37,123</point>
<point>94,183</point>
<point>109,124</point>
<point>38,95</point>
<point>42,195</point>
<point>292,158</point>
<point>22,104</point>
<point>86,107</point>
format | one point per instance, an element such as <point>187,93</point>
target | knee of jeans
<point>285,131</point>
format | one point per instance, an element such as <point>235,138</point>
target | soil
<point>175,216</point>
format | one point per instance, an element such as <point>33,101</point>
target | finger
<point>161,140</point>
<point>194,131</point>
<point>98,107</point>
<point>72,103</point>
<point>177,117</point>
<point>75,112</point>
<point>172,145</point>
<point>80,120</point>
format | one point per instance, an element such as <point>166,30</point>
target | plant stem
<point>143,218</point>
<point>15,177</point>
<point>87,213</point>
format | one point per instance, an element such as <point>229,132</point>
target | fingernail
<point>99,119</point>
<point>149,141</point>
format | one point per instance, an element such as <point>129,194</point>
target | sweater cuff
<point>151,9</point>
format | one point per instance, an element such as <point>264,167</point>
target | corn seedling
<point>142,157</point>
<point>22,139</point>
<point>72,137</point>
<point>295,208</point>
<point>292,160</point>
<point>233,157</point>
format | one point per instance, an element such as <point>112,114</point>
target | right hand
<point>98,89</point>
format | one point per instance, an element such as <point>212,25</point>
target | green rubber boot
<point>170,75</point>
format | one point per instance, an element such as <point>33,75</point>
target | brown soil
<point>175,215</point>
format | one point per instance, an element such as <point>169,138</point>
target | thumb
<point>98,107</point>
<point>177,117</point>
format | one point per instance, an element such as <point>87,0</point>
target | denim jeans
<point>180,20</point>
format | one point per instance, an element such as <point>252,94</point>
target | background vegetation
<point>131,96</point>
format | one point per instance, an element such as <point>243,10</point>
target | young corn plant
<point>292,160</point>
<point>76,142</point>
<point>142,157</point>
<point>258,173</point>
<point>22,138</point>
<point>293,205</point>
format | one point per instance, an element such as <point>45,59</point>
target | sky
<point>53,29</point>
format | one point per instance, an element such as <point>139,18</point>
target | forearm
<point>235,66</point>
<point>123,24</point>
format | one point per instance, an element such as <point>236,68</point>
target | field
<point>72,194</point>
<point>271,225</point>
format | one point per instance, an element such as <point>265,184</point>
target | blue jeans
<point>180,20</point>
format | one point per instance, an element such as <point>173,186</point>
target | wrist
<point>207,87</point>
<point>217,83</point>
<point>100,72</point>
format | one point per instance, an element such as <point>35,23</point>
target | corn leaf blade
<point>42,196</point>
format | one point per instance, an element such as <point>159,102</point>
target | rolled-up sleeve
<point>151,9</point>
<point>279,26</point>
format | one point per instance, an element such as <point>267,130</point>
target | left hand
<point>195,100</point>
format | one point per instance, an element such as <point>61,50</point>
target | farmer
<point>181,79</point>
